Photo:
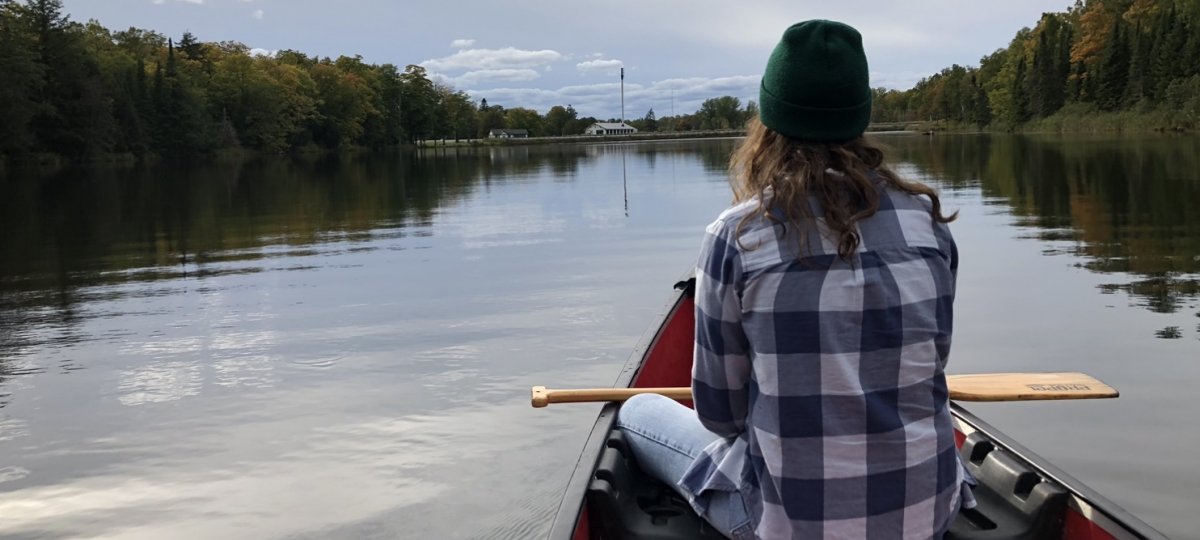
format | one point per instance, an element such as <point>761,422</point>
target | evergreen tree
<point>1041,78</point>
<point>1192,50</point>
<point>182,127</point>
<point>1062,64</point>
<point>1169,42</point>
<point>1114,70</point>
<point>191,47</point>
<point>1135,89</point>
<point>131,130</point>
<point>1020,96</point>
<point>23,80</point>
<point>650,122</point>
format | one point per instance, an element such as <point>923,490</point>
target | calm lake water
<point>343,347</point>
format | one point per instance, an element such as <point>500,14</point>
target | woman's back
<point>847,427</point>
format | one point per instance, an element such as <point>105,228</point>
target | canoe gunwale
<point>571,507</point>
<point>1087,501</point>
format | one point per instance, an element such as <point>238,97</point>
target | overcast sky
<point>540,53</point>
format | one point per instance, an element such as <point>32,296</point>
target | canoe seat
<point>1014,502</point>
<point>623,503</point>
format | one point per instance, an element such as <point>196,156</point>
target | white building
<point>508,134</point>
<point>608,128</point>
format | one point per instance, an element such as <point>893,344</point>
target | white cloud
<point>506,58</point>
<point>603,100</point>
<point>258,14</point>
<point>896,80</point>
<point>607,67</point>
<point>256,51</point>
<point>462,43</point>
<point>472,78</point>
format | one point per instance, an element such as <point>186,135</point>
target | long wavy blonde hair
<point>784,173</point>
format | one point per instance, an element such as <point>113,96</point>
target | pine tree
<point>131,133</point>
<point>650,122</point>
<point>1045,89</point>
<point>1169,42</point>
<point>1192,54</point>
<point>172,69</point>
<point>191,47</point>
<point>1020,94</point>
<point>1136,88</point>
<point>1114,68</point>
<point>183,127</point>
<point>1062,64</point>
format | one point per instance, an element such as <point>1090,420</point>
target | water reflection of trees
<point>1128,205</point>
<point>75,236</point>
<point>78,227</point>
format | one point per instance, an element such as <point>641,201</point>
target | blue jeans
<point>666,438</point>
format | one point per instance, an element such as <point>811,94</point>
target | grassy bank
<point>1083,118</point>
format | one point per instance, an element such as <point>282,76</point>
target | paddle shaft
<point>975,387</point>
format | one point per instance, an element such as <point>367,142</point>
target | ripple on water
<point>531,517</point>
<point>250,371</point>
<point>11,428</point>
<point>319,362</point>
<point>453,352</point>
<point>159,382</point>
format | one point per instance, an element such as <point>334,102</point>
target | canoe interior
<point>664,358</point>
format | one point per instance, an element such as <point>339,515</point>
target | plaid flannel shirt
<point>825,378</point>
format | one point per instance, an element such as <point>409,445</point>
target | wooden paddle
<point>976,387</point>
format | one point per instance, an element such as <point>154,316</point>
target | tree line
<point>1141,56</point>
<point>81,91</point>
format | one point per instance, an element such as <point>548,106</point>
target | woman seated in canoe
<point>823,318</point>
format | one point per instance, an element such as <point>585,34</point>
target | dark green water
<point>342,347</point>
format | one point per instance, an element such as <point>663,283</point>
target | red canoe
<point>1020,495</point>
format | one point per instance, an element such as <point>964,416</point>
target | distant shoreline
<point>1063,123</point>
<point>890,127</point>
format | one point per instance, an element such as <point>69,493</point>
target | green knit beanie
<point>816,86</point>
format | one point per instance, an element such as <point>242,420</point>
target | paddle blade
<point>1027,387</point>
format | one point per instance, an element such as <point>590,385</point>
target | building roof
<point>613,125</point>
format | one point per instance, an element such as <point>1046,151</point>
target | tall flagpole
<point>622,95</point>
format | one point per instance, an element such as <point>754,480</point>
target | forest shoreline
<point>1067,121</point>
